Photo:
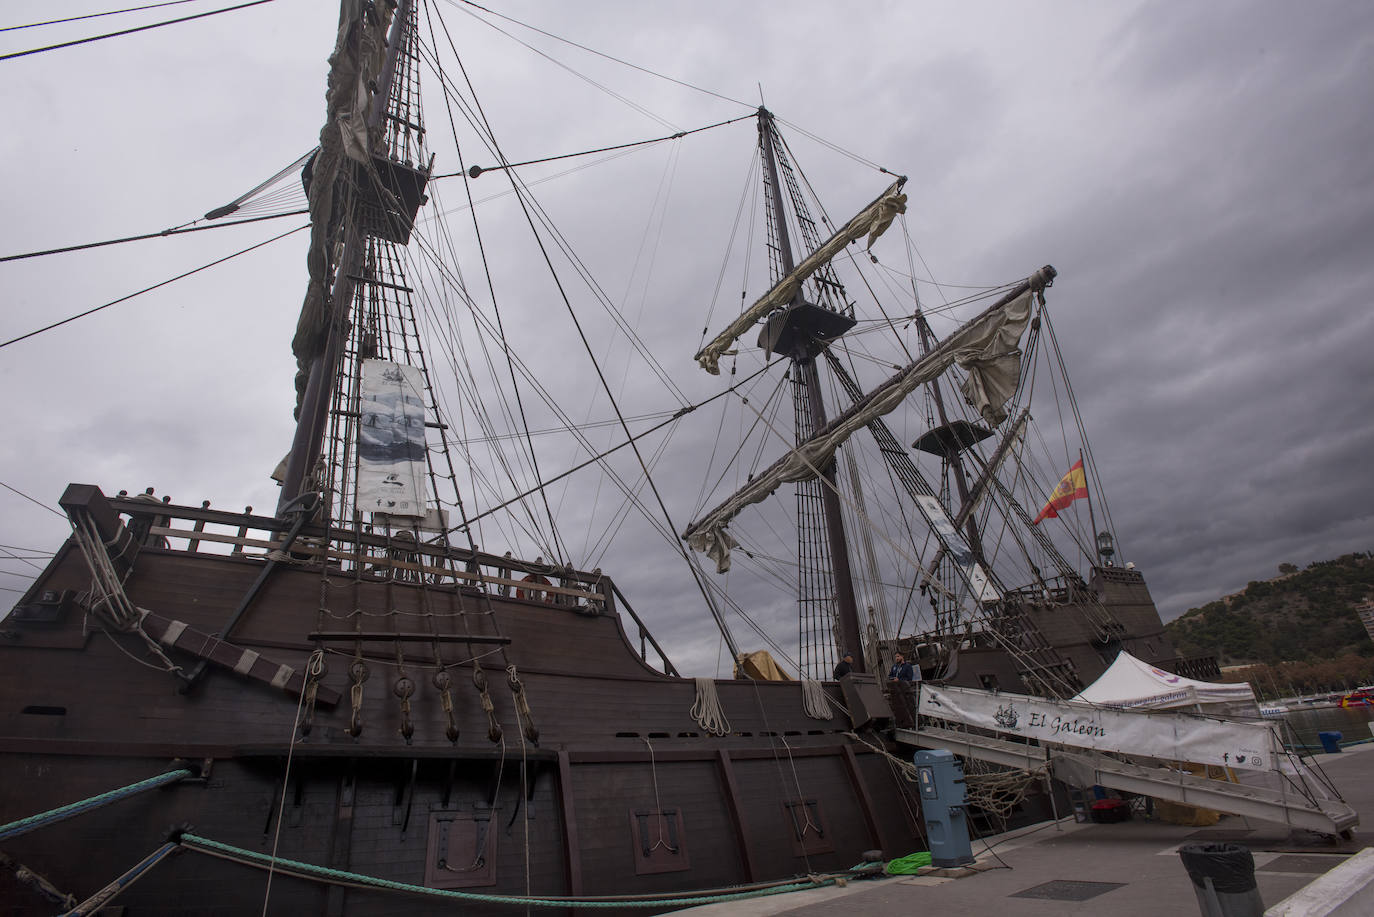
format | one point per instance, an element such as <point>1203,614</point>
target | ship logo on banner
<point>391,440</point>
<point>1175,736</point>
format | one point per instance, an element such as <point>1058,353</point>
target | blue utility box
<point>940,776</point>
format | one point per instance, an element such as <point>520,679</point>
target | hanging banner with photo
<point>1171,736</point>
<point>391,440</point>
<point>937,517</point>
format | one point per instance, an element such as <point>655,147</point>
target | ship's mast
<point>797,334</point>
<point>313,410</point>
<point>954,457</point>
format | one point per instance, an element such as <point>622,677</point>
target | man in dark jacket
<point>844,666</point>
<point>902,677</point>
<point>901,669</point>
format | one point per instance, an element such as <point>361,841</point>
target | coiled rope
<point>340,877</point>
<point>707,710</point>
<point>814,700</point>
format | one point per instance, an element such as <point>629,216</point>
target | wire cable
<point>142,28</point>
<point>181,276</point>
<point>132,9</point>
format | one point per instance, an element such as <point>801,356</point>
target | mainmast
<point>802,330</point>
<point>358,192</point>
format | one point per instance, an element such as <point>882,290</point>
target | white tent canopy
<point>1131,683</point>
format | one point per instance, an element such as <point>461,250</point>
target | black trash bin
<point>1223,878</point>
<point>1331,741</point>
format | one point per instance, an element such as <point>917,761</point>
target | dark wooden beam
<point>335,635</point>
<point>698,754</point>
<point>249,663</point>
<point>572,860</point>
<point>875,831</point>
<point>341,841</point>
<point>727,779</point>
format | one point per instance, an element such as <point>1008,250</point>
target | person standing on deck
<point>902,670</point>
<point>844,666</point>
<point>902,676</point>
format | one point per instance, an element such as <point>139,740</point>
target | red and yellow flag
<point>1072,486</point>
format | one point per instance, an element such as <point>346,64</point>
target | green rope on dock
<point>908,865</point>
<point>338,876</point>
<point>24,825</point>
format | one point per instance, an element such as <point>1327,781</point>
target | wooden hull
<point>623,793</point>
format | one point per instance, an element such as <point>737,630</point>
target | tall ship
<point>411,684</point>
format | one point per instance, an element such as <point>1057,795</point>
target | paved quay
<point>1128,869</point>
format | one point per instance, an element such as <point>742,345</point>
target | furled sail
<point>873,220</point>
<point>359,53</point>
<point>987,341</point>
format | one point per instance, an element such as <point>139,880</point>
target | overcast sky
<point>1199,173</point>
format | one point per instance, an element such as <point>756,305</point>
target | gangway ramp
<point>1080,767</point>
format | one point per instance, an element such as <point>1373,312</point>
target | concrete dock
<point>1128,869</point>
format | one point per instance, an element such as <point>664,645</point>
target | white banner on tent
<point>391,440</point>
<point>1173,736</point>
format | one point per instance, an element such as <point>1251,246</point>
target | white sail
<point>873,220</point>
<point>986,347</point>
<point>359,51</point>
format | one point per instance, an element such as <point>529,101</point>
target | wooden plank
<point>341,841</point>
<point>727,779</point>
<point>572,857</point>
<point>693,754</point>
<point>865,799</point>
<point>114,749</point>
<point>404,637</point>
<point>248,663</point>
<point>192,535</point>
<point>375,561</point>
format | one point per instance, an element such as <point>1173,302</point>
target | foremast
<point>801,331</point>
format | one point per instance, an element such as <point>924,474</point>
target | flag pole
<point>1092,519</point>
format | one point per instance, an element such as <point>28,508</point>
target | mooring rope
<point>24,825</point>
<point>340,877</point>
<point>103,897</point>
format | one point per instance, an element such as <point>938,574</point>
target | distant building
<point>1366,612</point>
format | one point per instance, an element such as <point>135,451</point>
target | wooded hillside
<point>1301,615</point>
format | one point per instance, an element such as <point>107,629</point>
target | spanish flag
<point>1072,486</point>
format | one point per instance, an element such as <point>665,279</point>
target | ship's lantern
<point>1105,548</point>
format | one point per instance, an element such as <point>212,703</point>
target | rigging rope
<point>142,28</point>
<point>707,710</point>
<point>475,171</point>
<point>600,54</point>
<point>132,9</point>
<point>176,231</point>
<point>170,280</point>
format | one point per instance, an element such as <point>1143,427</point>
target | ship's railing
<point>161,525</point>
<point>666,666</point>
<point>1057,590</point>
<point>1203,668</point>
<point>369,552</point>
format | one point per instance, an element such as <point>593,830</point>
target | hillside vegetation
<point>1302,615</point>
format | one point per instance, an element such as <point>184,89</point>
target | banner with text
<point>1173,736</point>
